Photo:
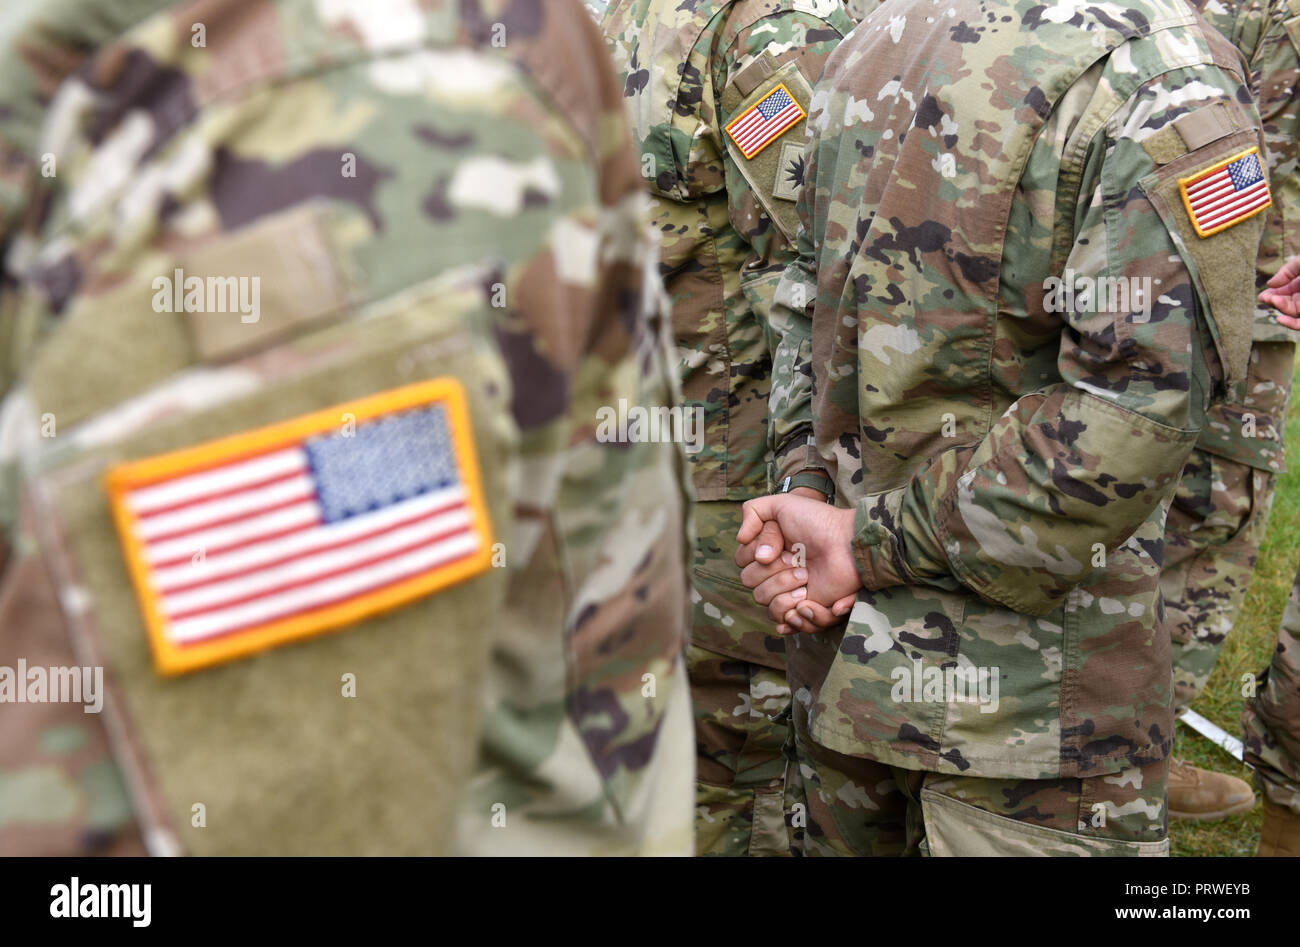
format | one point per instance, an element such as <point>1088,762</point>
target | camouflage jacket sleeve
<point>691,69</point>
<point>1068,472</point>
<point>790,429</point>
<point>808,41</point>
<point>796,36</point>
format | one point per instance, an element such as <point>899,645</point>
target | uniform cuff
<point>876,549</point>
<point>798,455</point>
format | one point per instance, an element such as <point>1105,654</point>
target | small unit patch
<point>765,121</point>
<point>287,531</point>
<point>789,172</point>
<point>1227,193</point>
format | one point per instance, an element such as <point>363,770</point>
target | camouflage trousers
<point>736,668</point>
<point>859,807</point>
<point>1218,519</point>
<point>1216,525</point>
<point>1271,720</point>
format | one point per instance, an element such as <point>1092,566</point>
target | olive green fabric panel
<point>281,760</point>
<point>1228,289</point>
<point>773,173</point>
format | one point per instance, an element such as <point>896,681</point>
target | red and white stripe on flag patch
<point>283,532</point>
<point>1221,196</point>
<point>765,121</point>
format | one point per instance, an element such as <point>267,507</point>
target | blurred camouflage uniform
<point>423,194</point>
<point>727,223</point>
<point>1271,725</point>
<point>1220,511</point>
<point>1010,456</point>
<point>60,792</point>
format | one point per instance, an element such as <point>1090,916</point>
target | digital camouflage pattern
<point>858,10</point>
<point>1220,512</point>
<point>429,189</point>
<point>1271,720</point>
<point>722,255</point>
<point>859,807</point>
<point>1010,466</point>
<point>1213,533</point>
<point>60,791</point>
<point>736,668</point>
<point>740,732</point>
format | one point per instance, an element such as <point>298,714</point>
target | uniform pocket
<point>956,829</point>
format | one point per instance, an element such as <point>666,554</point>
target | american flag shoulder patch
<point>306,526</point>
<point>1225,194</point>
<point>765,121</point>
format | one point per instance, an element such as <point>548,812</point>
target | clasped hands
<point>796,554</point>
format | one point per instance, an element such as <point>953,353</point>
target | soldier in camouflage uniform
<point>445,224</point>
<point>1271,725</point>
<point>1220,511</point>
<point>1004,455</point>
<point>1271,720</point>
<point>724,207</point>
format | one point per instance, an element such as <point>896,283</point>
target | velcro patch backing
<point>789,171</point>
<point>313,524</point>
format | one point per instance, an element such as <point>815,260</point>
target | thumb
<point>843,606</point>
<point>753,515</point>
<point>771,542</point>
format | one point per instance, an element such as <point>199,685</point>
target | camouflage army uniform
<point>60,792</point>
<point>727,222</point>
<point>858,10</point>
<point>1272,718</point>
<point>1010,457</point>
<point>727,225</point>
<point>433,195</point>
<point>1220,510</point>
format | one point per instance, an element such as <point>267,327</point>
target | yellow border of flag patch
<point>119,480</point>
<point>1187,204</point>
<point>779,87</point>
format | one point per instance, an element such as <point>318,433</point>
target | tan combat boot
<point>1196,793</point>
<point>1280,837</point>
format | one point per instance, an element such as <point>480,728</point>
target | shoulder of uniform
<point>1193,42</point>
<point>743,14</point>
<point>1226,55</point>
<point>561,49</point>
<point>683,23</point>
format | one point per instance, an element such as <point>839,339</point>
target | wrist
<point>811,483</point>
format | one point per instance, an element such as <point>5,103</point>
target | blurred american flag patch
<point>313,524</point>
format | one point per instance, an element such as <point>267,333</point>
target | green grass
<point>1247,650</point>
